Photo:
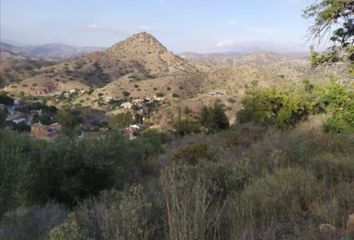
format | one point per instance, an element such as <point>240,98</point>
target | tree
<point>214,118</point>
<point>337,100</point>
<point>2,119</point>
<point>336,19</point>
<point>4,99</point>
<point>68,118</point>
<point>121,120</point>
<point>273,107</point>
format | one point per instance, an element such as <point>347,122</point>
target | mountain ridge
<point>139,57</point>
<point>46,52</point>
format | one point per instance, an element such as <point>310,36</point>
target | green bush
<point>229,176</point>
<point>4,99</point>
<point>214,118</point>
<point>69,169</point>
<point>32,223</point>
<point>186,127</point>
<point>68,230</point>
<point>195,153</point>
<point>69,118</point>
<point>121,120</point>
<point>128,215</point>
<point>273,107</point>
<point>283,197</point>
<point>126,94</point>
<point>2,119</point>
<point>337,100</point>
<point>160,94</point>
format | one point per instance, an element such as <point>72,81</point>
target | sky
<point>181,25</point>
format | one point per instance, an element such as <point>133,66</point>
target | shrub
<point>231,100</point>
<point>68,230</point>
<point>273,107</point>
<point>195,153</point>
<point>69,118</point>
<point>121,120</point>
<point>214,118</point>
<point>160,94</point>
<point>284,197</point>
<point>4,99</point>
<point>230,176</point>
<point>191,205</point>
<point>186,127</point>
<point>33,223</point>
<point>126,94</point>
<point>337,100</point>
<point>113,215</point>
<point>2,119</point>
<point>68,169</point>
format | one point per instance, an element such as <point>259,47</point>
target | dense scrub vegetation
<point>284,108</point>
<point>68,170</point>
<point>286,168</point>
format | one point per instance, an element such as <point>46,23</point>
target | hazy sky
<point>181,25</point>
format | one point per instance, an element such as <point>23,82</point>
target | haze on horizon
<point>181,25</point>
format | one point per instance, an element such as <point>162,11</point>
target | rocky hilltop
<point>149,52</point>
<point>139,57</point>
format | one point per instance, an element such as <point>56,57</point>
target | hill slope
<point>139,57</point>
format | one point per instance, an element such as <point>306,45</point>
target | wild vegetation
<point>266,177</point>
<point>282,169</point>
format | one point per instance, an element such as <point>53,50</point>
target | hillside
<point>138,57</point>
<point>7,50</point>
<point>14,68</point>
<point>259,58</point>
<point>141,67</point>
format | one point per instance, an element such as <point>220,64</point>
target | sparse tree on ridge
<point>333,18</point>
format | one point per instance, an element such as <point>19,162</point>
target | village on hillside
<point>46,122</point>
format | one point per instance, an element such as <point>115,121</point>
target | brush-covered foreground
<point>284,171</point>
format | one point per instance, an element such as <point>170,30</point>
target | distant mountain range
<point>140,57</point>
<point>229,59</point>
<point>60,52</point>
<point>47,52</point>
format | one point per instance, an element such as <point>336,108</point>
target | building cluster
<point>15,113</point>
<point>39,130</point>
<point>21,113</point>
<point>141,103</point>
<point>28,117</point>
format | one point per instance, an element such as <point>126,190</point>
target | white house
<point>16,117</point>
<point>127,105</point>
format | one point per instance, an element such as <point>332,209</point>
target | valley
<point>197,120</point>
<point>141,67</point>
